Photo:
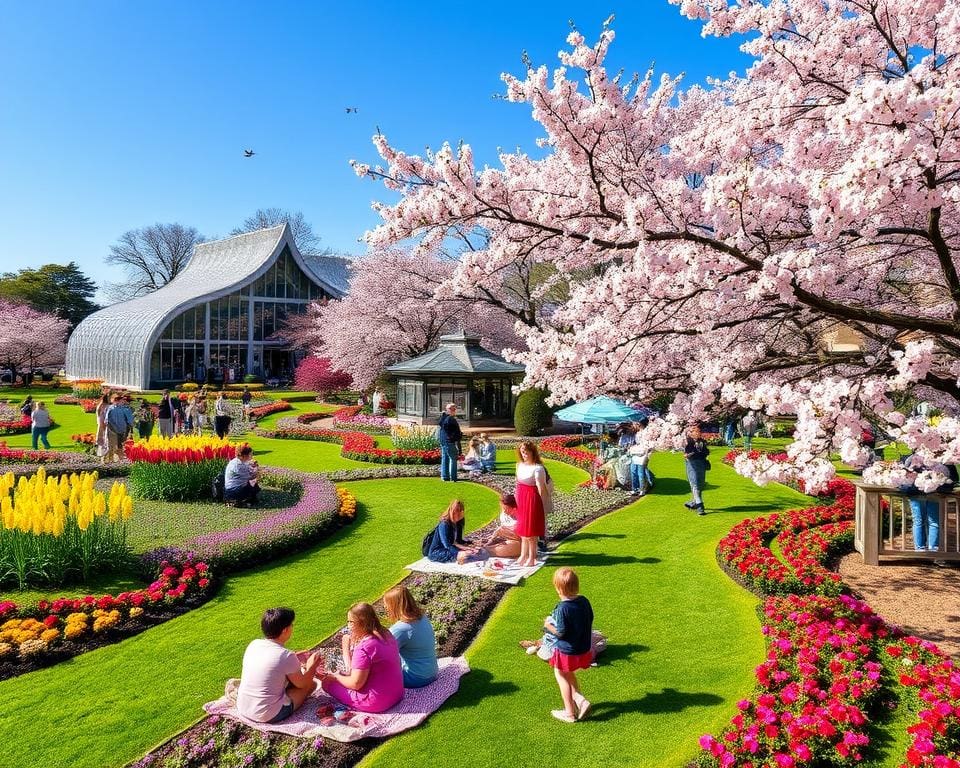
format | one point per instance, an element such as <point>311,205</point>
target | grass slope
<point>111,705</point>
<point>684,640</point>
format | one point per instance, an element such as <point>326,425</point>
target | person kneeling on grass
<point>415,638</point>
<point>240,478</point>
<point>273,684</point>
<point>446,543</point>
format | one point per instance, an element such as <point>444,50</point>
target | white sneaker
<point>561,714</point>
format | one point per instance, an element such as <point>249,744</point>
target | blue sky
<point>116,115</point>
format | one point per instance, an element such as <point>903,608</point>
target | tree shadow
<point>476,683</point>
<point>589,535</point>
<point>758,507</point>
<point>667,700</point>
<point>597,558</point>
<point>670,486</point>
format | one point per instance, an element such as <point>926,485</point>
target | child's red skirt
<point>571,663</point>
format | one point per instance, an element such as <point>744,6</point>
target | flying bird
<point>351,109</point>
<point>248,153</point>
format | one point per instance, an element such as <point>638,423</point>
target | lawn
<point>684,640</point>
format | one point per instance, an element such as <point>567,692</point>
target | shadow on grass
<point>479,682</point>
<point>617,652</point>
<point>667,700</point>
<point>758,507</point>
<point>589,535</point>
<point>597,558</point>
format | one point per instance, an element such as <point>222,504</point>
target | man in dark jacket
<point>450,437</point>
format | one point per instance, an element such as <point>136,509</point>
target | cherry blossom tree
<point>29,338</point>
<point>316,374</point>
<point>395,309</point>
<point>709,239</point>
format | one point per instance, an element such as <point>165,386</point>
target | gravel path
<point>922,598</point>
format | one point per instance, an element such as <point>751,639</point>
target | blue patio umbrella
<point>599,410</point>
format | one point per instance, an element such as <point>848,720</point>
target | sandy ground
<point>922,598</point>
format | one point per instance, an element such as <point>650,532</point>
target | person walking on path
<point>143,418</point>
<point>749,427</point>
<point>245,399</point>
<point>696,454</point>
<point>221,416</point>
<point>119,427</point>
<point>533,501</point>
<point>40,424</point>
<point>450,437</point>
<point>100,441</point>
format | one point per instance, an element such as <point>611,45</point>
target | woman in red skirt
<point>532,499</point>
<point>572,624</point>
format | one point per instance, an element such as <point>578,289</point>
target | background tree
<point>391,312</point>
<point>150,258</point>
<point>316,374</point>
<point>710,239</point>
<point>308,242</point>
<point>58,288</point>
<point>29,339</point>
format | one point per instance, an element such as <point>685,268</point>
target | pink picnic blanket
<point>416,706</point>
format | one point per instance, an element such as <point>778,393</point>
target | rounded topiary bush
<point>532,415</point>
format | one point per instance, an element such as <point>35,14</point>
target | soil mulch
<point>920,597</point>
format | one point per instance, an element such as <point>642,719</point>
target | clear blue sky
<point>116,115</point>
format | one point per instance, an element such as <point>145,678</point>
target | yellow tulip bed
<point>59,529</point>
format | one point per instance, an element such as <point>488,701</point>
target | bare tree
<point>308,242</point>
<point>150,258</point>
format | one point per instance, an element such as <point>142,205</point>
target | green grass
<point>111,705</point>
<point>684,640</point>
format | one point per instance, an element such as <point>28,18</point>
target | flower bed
<point>356,445</point>
<point>274,406</point>
<point>89,406</point>
<point>346,505</point>
<point>66,400</point>
<point>315,514</point>
<point>55,531</point>
<point>16,426</point>
<point>814,691</point>
<point>87,388</point>
<point>53,630</point>
<point>352,418</point>
<point>180,468</point>
<point>562,448</point>
<point>414,437</point>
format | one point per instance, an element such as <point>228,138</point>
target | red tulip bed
<point>15,426</point>
<point>563,448</point>
<point>831,662</point>
<point>275,406</point>
<point>356,445</point>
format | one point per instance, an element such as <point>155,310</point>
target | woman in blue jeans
<point>926,511</point>
<point>40,421</point>
<point>696,453</point>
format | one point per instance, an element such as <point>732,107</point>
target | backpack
<point>216,487</point>
<point>427,544</point>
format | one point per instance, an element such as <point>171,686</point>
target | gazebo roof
<point>458,354</point>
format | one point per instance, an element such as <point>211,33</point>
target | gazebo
<point>459,371</point>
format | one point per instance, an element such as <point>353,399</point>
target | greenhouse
<point>218,320</point>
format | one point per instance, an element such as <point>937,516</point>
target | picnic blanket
<point>497,569</point>
<point>416,706</point>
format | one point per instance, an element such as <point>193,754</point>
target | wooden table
<point>883,524</point>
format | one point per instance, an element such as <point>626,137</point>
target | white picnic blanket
<point>497,569</point>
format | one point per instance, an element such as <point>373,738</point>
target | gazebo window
<point>410,397</point>
<point>439,393</point>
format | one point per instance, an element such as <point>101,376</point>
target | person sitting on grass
<point>488,453</point>
<point>240,478</point>
<point>274,684</point>
<point>504,542</point>
<point>373,676</point>
<point>472,462</point>
<point>447,543</point>
<point>415,638</point>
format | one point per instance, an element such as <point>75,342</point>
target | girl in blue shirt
<point>571,623</point>
<point>414,634</point>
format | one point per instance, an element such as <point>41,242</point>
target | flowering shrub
<point>274,406</point>
<point>55,530</point>
<point>562,448</point>
<point>933,681</point>
<point>86,439</point>
<point>60,626</point>
<point>305,522</point>
<point>87,388</point>
<point>179,468</point>
<point>814,689</point>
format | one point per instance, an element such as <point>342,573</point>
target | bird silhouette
<point>351,109</point>
<point>248,153</point>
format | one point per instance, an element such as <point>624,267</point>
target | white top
<point>221,408</point>
<point>508,522</point>
<point>263,682</point>
<point>528,473</point>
